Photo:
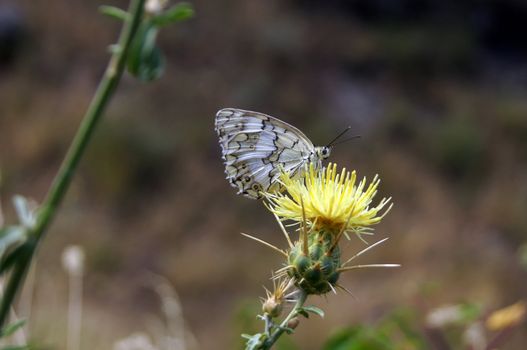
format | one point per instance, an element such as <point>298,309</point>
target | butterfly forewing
<point>256,146</point>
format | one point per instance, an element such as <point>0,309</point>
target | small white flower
<point>443,316</point>
<point>73,260</point>
<point>154,7</point>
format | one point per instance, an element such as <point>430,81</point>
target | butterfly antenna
<point>338,136</point>
<point>346,140</point>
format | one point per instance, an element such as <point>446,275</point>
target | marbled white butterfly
<point>255,147</point>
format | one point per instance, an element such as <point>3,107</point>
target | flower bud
<point>315,272</point>
<point>293,323</point>
<point>272,306</point>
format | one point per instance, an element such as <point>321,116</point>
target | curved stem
<point>69,165</point>
<point>283,326</point>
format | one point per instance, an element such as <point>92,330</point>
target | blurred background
<point>435,88</point>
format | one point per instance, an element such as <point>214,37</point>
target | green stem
<point>283,326</point>
<point>61,183</point>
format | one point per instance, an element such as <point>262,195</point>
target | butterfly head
<point>323,152</point>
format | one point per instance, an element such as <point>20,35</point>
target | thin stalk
<point>75,152</point>
<point>16,278</point>
<point>74,311</point>
<point>268,324</point>
<point>283,326</point>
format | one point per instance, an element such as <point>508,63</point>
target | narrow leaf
<point>303,313</point>
<point>11,328</point>
<point>11,236</point>
<point>24,210</point>
<point>314,310</point>
<point>288,330</point>
<point>176,13</point>
<point>145,60</point>
<point>254,342</point>
<point>114,12</point>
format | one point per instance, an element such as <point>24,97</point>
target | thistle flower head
<point>335,201</point>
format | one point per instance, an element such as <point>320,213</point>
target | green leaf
<point>11,236</point>
<point>255,341</point>
<point>16,347</point>
<point>302,312</point>
<point>145,60</point>
<point>176,13</point>
<point>288,330</point>
<point>11,328</point>
<point>314,310</point>
<point>24,210</point>
<point>153,67</point>
<point>114,12</point>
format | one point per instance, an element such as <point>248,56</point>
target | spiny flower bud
<point>272,306</point>
<point>317,271</point>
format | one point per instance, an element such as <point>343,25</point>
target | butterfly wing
<point>254,147</point>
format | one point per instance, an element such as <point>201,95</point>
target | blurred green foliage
<point>404,329</point>
<point>461,326</point>
<point>145,59</point>
<point>398,330</point>
<point>407,49</point>
<point>458,147</point>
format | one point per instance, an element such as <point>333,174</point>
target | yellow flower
<point>509,316</point>
<point>330,200</point>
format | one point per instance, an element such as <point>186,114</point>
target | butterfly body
<point>256,147</point>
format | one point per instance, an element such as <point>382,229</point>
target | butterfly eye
<point>324,151</point>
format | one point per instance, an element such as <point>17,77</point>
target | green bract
<point>315,272</point>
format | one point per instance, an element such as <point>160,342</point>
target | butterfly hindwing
<point>256,146</point>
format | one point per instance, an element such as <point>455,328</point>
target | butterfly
<point>256,148</point>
